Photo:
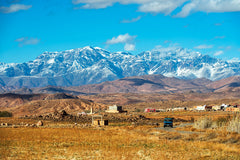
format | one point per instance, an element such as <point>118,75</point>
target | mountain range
<point>93,65</point>
<point>144,85</point>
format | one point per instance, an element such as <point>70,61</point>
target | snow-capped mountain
<point>91,65</point>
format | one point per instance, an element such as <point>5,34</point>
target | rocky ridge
<point>92,65</point>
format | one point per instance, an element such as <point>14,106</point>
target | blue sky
<point>30,27</point>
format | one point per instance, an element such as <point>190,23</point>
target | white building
<point>114,109</point>
<point>200,108</point>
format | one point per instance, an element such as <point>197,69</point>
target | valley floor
<point>62,140</point>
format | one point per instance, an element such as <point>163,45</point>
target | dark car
<point>168,122</point>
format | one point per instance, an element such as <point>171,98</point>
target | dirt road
<point>170,129</point>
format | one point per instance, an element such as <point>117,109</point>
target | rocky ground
<point>73,120</point>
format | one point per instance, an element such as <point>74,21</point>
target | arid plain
<point>130,135</point>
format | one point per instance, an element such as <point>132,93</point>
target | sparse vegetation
<point>137,110</point>
<point>234,124</point>
<point>222,121</point>
<point>131,135</point>
<point>5,114</point>
<point>119,140</point>
<point>231,124</point>
<point>203,123</point>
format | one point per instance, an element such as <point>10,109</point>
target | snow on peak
<point>88,48</point>
<point>51,61</point>
<point>89,62</point>
<point>173,52</point>
<point>234,60</point>
<point>167,49</point>
<point>70,50</point>
<point>98,48</point>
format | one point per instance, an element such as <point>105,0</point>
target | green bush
<point>137,110</point>
<point>5,114</point>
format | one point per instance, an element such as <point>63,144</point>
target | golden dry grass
<point>111,142</point>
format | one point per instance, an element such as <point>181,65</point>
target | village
<point>99,119</point>
<point>207,129</point>
<point>223,107</point>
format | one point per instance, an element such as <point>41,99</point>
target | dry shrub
<point>211,135</point>
<point>191,137</point>
<point>124,142</point>
<point>234,125</point>
<point>203,123</point>
<point>173,136</point>
<point>222,121</point>
<point>228,138</point>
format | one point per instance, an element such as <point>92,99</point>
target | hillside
<point>36,104</point>
<point>40,107</point>
<point>146,84</point>
<point>143,84</point>
<point>141,90</point>
<point>228,84</point>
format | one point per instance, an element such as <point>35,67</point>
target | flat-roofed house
<point>115,109</point>
<point>232,109</point>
